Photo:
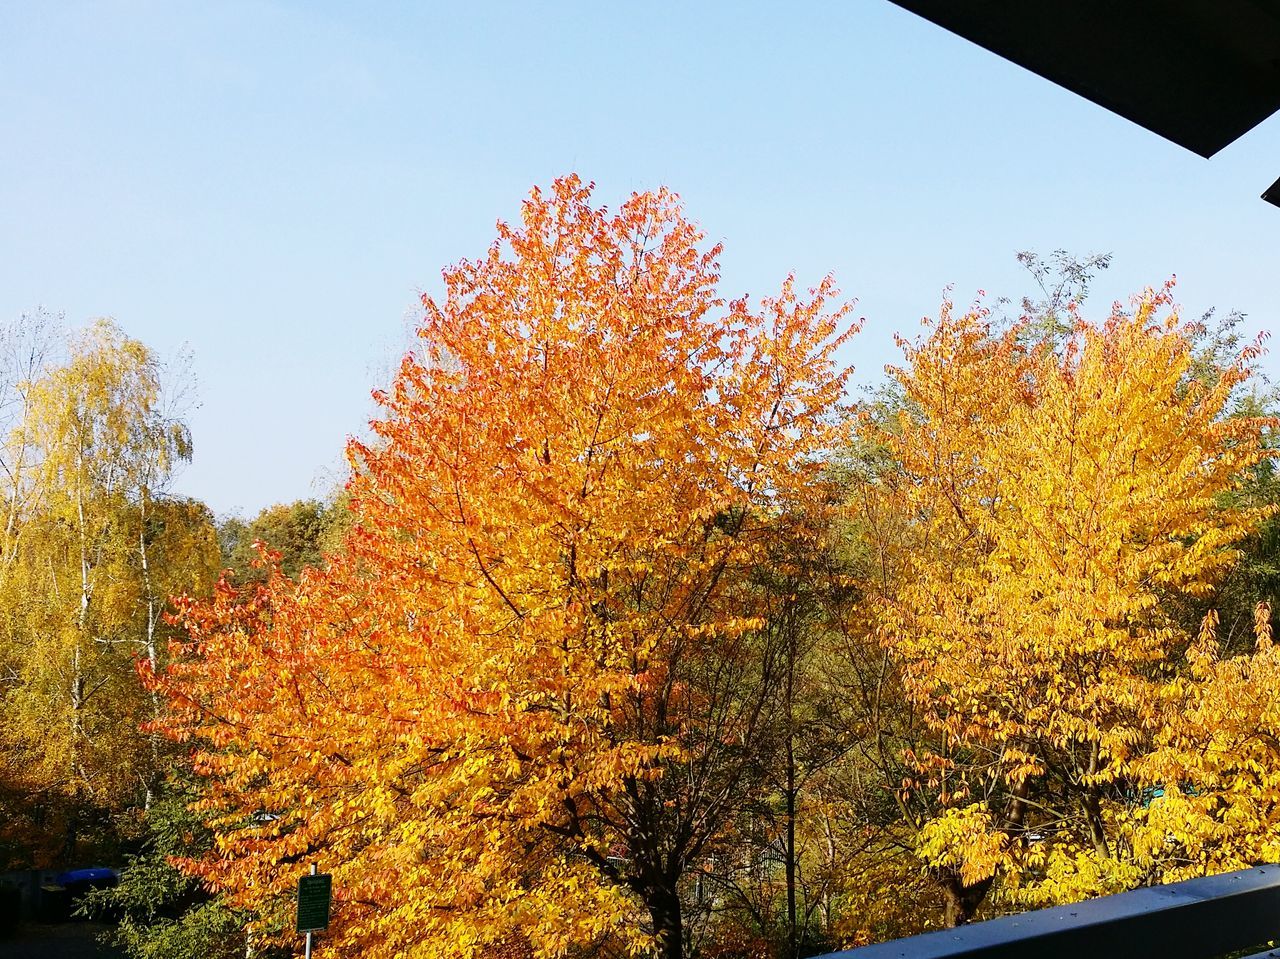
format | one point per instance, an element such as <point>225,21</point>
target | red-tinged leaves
<point>555,523</point>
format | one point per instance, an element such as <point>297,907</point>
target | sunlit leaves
<point>1054,500</point>
<point>520,701</point>
<point>91,550</point>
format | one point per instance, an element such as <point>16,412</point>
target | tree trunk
<point>79,776</point>
<point>82,635</point>
<point>1097,831</point>
<point>664,908</point>
<point>793,933</point>
<point>830,835</point>
<point>71,838</point>
<point>960,902</point>
<point>149,643</point>
<point>1092,803</point>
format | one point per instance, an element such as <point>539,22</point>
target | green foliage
<point>161,913</point>
<point>1256,576</point>
<point>301,532</point>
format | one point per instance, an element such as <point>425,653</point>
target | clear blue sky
<point>274,183</point>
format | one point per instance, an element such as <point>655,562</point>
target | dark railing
<point>1197,919</point>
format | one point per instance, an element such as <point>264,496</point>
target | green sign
<point>313,902</point>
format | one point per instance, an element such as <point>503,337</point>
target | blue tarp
<point>95,874</point>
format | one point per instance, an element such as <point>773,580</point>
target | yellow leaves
<point>1049,504</point>
<point>1215,760</point>
<point>1070,873</point>
<point>91,550</point>
<point>1262,627</point>
<point>1054,494</point>
<point>966,840</point>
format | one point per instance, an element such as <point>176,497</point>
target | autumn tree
<point>1053,500</point>
<point>526,699</point>
<point>25,346</point>
<point>92,548</point>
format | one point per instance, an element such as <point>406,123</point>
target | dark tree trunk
<point>71,838</point>
<point>960,901</point>
<point>664,908</point>
<point>793,931</point>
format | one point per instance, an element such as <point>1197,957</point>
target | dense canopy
<point>637,630</point>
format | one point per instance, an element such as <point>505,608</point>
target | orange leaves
<point>518,654</point>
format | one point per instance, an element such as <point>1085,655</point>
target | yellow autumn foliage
<point>1054,502</point>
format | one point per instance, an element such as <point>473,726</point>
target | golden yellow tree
<point>1054,503</point>
<point>521,703</point>
<point>83,588</point>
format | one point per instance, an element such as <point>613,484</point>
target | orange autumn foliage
<point>515,706</point>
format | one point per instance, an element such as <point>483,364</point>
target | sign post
<point>313,904</point>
